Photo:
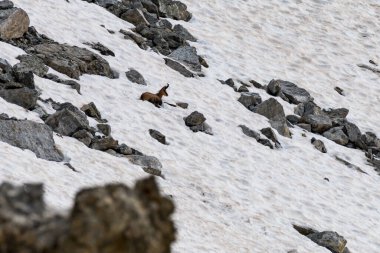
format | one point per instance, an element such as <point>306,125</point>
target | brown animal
<point>155,99</point>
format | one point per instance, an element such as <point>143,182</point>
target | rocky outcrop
<point>71,60</point>
<point>196,122</point>
<point>126,220</point>
<point>14,22</point>
<point>30,135</point>
<point>273,110</point>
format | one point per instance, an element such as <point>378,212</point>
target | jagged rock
<point>101,48</point>
<point>271,135</point>
<point>367,140</point>
<point>178,67</point>
<point>158,136</point>
<point>184,33</point>
<point>319,123</point>
<point>293,93</point>
<point>337,135</point>
<point>71,60</point>
<point>243,89</point>
<point>194,119</point>
<point>134,16</point>
<point>67,120</point>
<point>24,97</point>
<point>256,84</point>
<point>305,109</point>
<point>204,127</point>
<point>24,77</point>
<point>340,113</point>
<point>274,111</point>
<point>249,132</point>
<point>84,136</point>
<point>352,131</point>
<point>104,144</point>
<point>318,144</point>
<point>105,129</point>
<point>293,119</point>
<point>330,240</point>
<point>30,135</point>
<point>135,77</point>
<point>31,63</point>
<point>173,9</point>
<point>187,55</point>
<point>126,220</point>
<point>150,164</point>
<point>250,99</point>
<point>14,22</point>
<point>182,105</point>
<point>91,111</point>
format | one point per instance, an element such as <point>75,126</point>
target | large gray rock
<point>187,55</point>
<point>250,99</point>
<point>179,68</point>
<point>158,136</point>
<point>104,144</point>
<point>173,9</point>
<point>274,111</point>
<point>135,77</point>
<point>31,63</point>
<point>71,60</point>
<point>319,123</point>
<point>30,135</point>
<point>184,33</point>
<point>330,240</point>
<point>24,97</point>
<point>304,109</point>
<point>150,164</point>
<point>340,113</point>
<point>134,16</point>
<point>352,131</point>
<point>109,219</point>
<point>291,91</point>
<point>14,22</point>
<point>337,135</point>
<point>91,110</point>
<point>195,119</point>
<point>68,120</point>
<point>271,135</point>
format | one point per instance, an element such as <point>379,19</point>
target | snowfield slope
<point>232,194</point>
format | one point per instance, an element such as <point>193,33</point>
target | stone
<point>91,111</point>
<point>24,77</point>
<point>250,100</point>
<point>104,129</point>
<point>293,119</point>
<point>330,240</point>
<point>339,90</point>
<point>273,110</point>
<point>179,68</point>
<point>134,16</point>
<point>182,105</point>
<point>14,22</point>
<point>150,164</point>
<point>194,119</point>
<point>67,120</point>
<point>337,135</point>
<point>173,9</point>
<point>305,109</point>
<point>31,63</point>
<point>319,123</point>
<point>352,131</point>
<point>184,33</point>
<point>319,145</point>
<point>187,55</point>
<point>158,136</point>
<point>304,126</point>
<point>265,142</point>
<point>204,127</point>
<point>256,84</point>
<point>340,113</point>
<point>103,50</point>
<point>274,88</point>
<point>104,144</point>
<point>32,136</point>
<point>271,135</point>
<point>83,136</point>
<point>135,77</point>
<point>249,132</point>
<point>293,93</point>
<point>124,150</point>
<point>71,60</point>
<point>137,38</point>
<point>23,97</point>
<point>243,89</point>
<point>112,219</point>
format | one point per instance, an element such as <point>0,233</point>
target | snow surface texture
<point>232,194</point>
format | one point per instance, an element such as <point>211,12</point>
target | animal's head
<point>165,93</point>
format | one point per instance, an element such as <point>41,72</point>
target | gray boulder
<point>150,164</point>
<point>337,135</point>
<point>187,55</point>
<point>104,129</point>
<point>158,136</point>
<point>134,16</point>
<point>183,33</point>
<point>91,110</point>
<point>304,109</point>
<point>135,77</point>
<point>71,60</point>
<point>249,132</point>
<point>14,22</point>
<point>68,120</point>
<point>24,97</point>
<point>83,136</point>
<point>31,63</point>
<point>319,123</point>
<point>330,240</point>
<point>30,135</point>
<point>179,68</point>
<point>271,135</point>
<point>274,111</point>
<point>340,113</point>
<point>319,145</point>
<point>194,119</point>
<point>204,127</point>
<point>290,91</point>
<point>173,9</point>
<point>352,131</point>
<point>104,144</point>
<point>250,100</point>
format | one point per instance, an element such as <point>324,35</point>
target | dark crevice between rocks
<point>153,31</point>
<point>136,219</point>
<point>328,239</point>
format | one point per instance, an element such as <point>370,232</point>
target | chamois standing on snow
<point>155,99</point>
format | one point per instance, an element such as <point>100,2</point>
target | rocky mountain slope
<point>266,142</point>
